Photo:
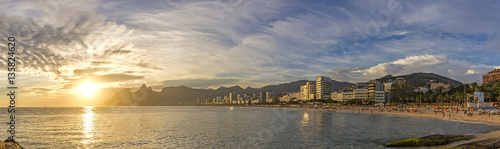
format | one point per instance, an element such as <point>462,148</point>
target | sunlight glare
<point>87,89</point>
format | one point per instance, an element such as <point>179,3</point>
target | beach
<point>441,113</point>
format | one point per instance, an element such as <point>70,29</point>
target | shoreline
<point>419,112</point>
<point>415,112</point>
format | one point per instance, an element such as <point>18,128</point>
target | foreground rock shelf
<point>432,140</point>
<point>10,144</point>
<point>491,143</point>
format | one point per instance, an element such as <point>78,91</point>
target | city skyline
<point>64,45</point>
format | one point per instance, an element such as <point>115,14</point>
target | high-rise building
<point>374,85</point>
<point>361,94</point>
<point>491,76</point>
<point>219,100</point>
<point>262,97</point>
<point>230,98</point>
<point>388,86</point>
<point>380,97</point>
<point>307,90</point>
<point>269,96</point>
<point>323,87</point>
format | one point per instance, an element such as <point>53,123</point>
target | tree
<point>491,90</point>
<point>402,92</point>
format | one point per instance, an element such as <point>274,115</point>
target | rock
<point>432,140</point>
<point>491,143</point>
<point>10,144</point>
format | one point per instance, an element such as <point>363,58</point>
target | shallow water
<point>218,127</point>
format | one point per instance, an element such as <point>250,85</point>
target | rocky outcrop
<point>432,140</point>
<point>10,144</point>
<point>491,143</point>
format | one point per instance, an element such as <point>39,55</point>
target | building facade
<point>323,87</point>
<point>374,85</point>
<point>380,97</point>
<point>388,86</point>
<point>290,97</point>
<point>269,96</point>
<point>262,97</point>
<point>306,91</point>
<point>346,95</point>
<point>361,94</point>
<point>491,76</point>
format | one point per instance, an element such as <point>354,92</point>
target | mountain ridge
<point>176,95</point>
<point>419,79</point>
<point>181,95</point>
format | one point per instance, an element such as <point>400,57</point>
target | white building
<point>323,87</point>
<point>290,97</point>
<point>388,86</point>
<point>269,96</point>
<point>219,100</point>
<point>307,90</point>
<point>379,97</point>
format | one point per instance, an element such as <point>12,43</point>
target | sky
<point>117,44</point>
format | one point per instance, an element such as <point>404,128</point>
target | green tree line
<point>406,93</point>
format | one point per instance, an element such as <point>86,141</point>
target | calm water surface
<point>218,127</point>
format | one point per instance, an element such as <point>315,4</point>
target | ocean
<point>218,127</point>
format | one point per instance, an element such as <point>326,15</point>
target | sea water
<point>218,127</point>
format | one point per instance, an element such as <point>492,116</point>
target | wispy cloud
<point>65,40</point>
<point>248,43</point>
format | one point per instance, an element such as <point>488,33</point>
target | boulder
<point>432,140</point>
<point>491,143</point>
<point>10,144</point>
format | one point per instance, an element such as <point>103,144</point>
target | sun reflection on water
<point>88,125</point>
<point>305,119</point>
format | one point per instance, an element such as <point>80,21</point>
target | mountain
<point>338,85</point>
<point>421,79</point>
<point>185,95</point>
<point>145,96</point>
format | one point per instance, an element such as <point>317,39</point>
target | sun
<point>88,89</point>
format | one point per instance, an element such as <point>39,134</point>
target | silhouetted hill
<point>143,97</point>
<point>421,79</point>
<point>185,95</point>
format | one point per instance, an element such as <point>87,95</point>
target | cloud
<point>201,83</point>
<point>68,40</point>
<point>266,40</point>
<point>248,43</point>
<point>87,71</point>
<point>115,78</point>
<point>345,73</point>
<point>439,64</point>
<point>62,33</point>
<point>90,76</point>
<point>471,72</point>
